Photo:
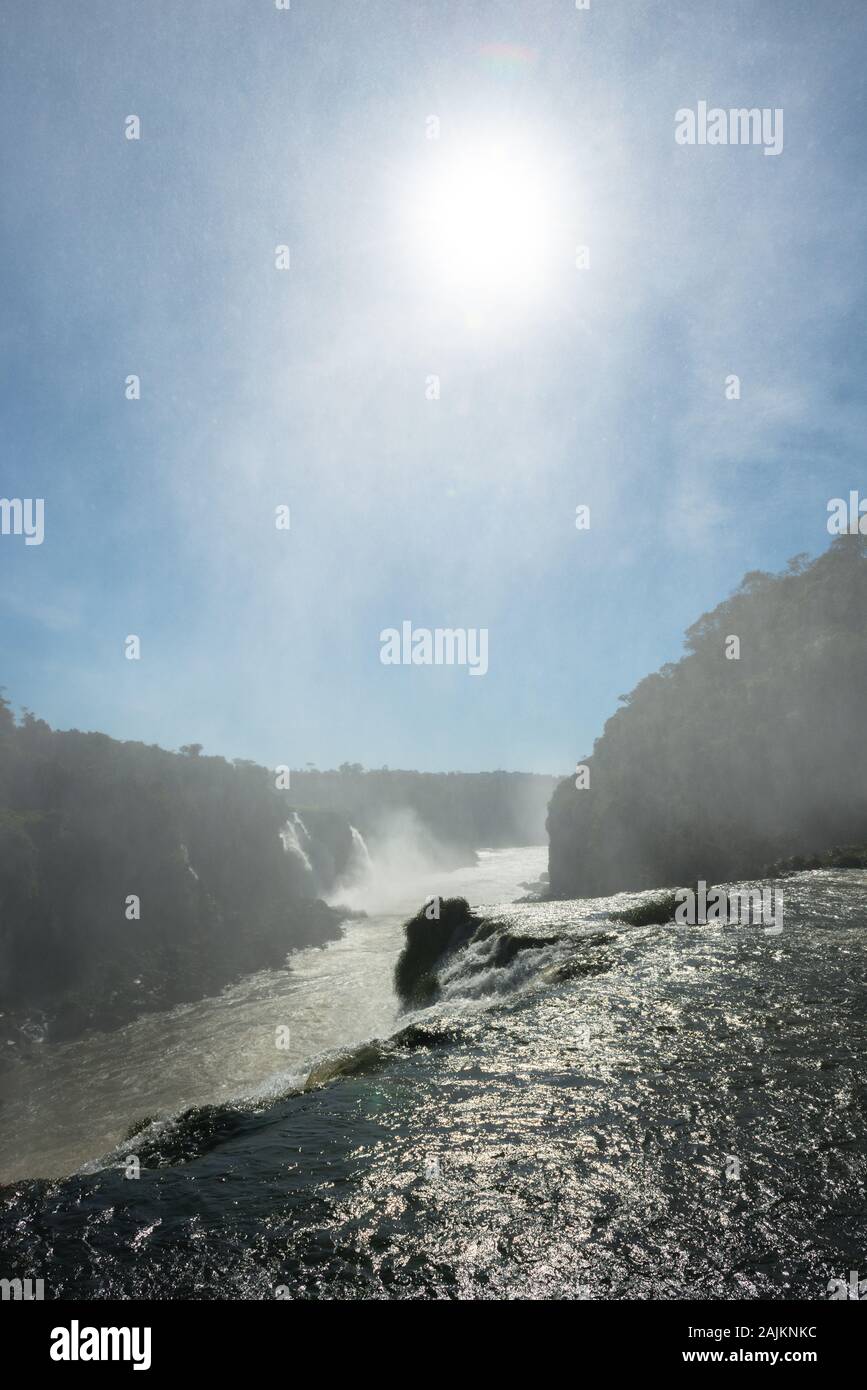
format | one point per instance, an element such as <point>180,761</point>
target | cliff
<point>132,878</point>
<point>720,764</point>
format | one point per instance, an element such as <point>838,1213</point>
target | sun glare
<point>484,219</point>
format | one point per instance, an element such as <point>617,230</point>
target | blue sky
<point>307,387</point>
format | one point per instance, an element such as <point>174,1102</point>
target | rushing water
<point>592,1109</point>
<point>69,1103</point>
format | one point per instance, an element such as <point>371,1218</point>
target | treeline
<point>133,878</point>
<point>719,765</point>
<point>89,824</point>
<point>462,811</point>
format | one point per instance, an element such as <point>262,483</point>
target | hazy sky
<point>308,387</point>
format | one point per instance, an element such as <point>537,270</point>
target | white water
<point>361,861</point>
<point>69,1103</point>
<point>296,837</point>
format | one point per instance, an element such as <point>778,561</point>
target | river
<point>67,1104</point>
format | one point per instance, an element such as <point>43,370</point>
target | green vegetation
<point>841,857</point>
<point>86,822</point>
<point>461,811</point>
<point>427,941</point>
<point>652,912</point>
<point>715,768</point>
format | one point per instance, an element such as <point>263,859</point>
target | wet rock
<point>427,941</point>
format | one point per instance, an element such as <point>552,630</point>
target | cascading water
<point>219,1049</point>
<point>358,880</point>
<point>537,1107</point>
<point>360,865</point>
<point>296,837</point>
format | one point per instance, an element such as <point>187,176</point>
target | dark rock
<point>428,941</point>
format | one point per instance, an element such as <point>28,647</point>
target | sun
<point>484,218</point>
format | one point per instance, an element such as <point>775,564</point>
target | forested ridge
<point>86,822</point>
<point>462,811</point>
<point>715,767</point>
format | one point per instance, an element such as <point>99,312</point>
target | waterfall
<point>186,858</point>
<point>358,873</point>
<point>360,865</point>
<point>295,837</point>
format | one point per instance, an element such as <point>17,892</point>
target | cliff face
<point>132,878</point>
<point>739,754</point>
<point>459,811</point>
<point>323,843</point>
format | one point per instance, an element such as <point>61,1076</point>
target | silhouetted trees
<point>463,811</point>
<point>716,767</point>
<point>87,824</point>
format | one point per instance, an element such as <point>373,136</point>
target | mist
<point>434,538</point>
<point>308,388</point>
<point>400,869</point>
